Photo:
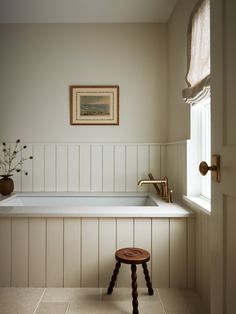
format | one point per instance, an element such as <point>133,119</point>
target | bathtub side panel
<point>5,252</point>
<point>143,239</point>
<point>54,252</point>
<point>72,252</point>
<point>178,253</point>
<point>89,267</point>
<point>125,238</point>
<point>37,252</point>
<point>161,252</point>
<point>20,252</point>
<point>107,248</point>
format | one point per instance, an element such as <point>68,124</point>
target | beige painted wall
<point>39,62</point>
<point>178,110</point>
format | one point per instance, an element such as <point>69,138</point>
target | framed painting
<point>94,105</point>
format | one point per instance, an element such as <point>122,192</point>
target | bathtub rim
<point>164,210</point>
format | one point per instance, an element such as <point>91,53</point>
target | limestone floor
<point>96,301</point>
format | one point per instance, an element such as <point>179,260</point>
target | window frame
<point>196,153</point>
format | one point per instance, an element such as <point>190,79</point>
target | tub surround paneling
<point>203,256</point>
<point>176,167</point>
<point>79,252</point>
<point>87,167</point>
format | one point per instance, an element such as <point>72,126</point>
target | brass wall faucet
<point>163,191</point>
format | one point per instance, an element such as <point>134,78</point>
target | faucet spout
<point>141,182</point>
<point>164,191</point>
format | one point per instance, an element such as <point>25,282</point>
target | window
<point>199,148</point>
<point>197,94</point>
<point>205,142</point>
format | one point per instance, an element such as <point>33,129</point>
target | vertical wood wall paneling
<point>143,165</point>
<point>161,252</point>
<point>131,168</point>
<point>172,165</point>
<point>179,175</point>
<point>38,167</point>
<point>108,168</point>
<point>120,168</point>
<point>203,255</point>
<point>178,253</point>
<point>125,238</point>
<point>73,167</point>
<point>107,248</point>
<point>72,252</point>
<point>199,244</point>
<point>163,153</point>
<point>89,167</point>
<point>176,168</point>
<point>85,168</point>
<point>191,252</point>
<point>183,168</point>
<point>37,252</point>
<point>143,239</point>
<point>82,250</point>
<point>62,168</point>
<point>54,253</point>
<point>104,167</point>
<point>27,180</point>
<point>50,167</point>
<point>155,163</point>
<point>5,252</point>
<point>20,252</point>
<point>89,270</point>
<point>96,168</point>
<point>17,175</point>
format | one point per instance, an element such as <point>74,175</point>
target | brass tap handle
<point>170,199</point>
<point>155,185</point>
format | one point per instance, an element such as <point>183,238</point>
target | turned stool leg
<point>147,277</point>
<point>134,289</point>
<point>113,278</point>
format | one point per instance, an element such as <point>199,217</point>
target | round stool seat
<point>132,255</point>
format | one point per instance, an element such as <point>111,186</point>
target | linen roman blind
<point>198,54</point>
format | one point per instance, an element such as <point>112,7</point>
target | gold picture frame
<point>94,105</point>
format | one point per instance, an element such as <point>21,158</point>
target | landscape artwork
<point>94,105</point>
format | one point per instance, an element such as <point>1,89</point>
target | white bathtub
<point>89,205</point>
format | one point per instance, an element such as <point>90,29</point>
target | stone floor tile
<point>72,294</point>
<point>19,300</point>
<point>52,308</point>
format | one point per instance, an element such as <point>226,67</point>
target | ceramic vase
<point>6,185</point>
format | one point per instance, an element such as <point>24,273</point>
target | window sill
<point>198,203</point>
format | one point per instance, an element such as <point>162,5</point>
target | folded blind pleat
<point>198,53</point>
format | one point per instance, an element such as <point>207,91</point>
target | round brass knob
<point>204,168</point>
<point>215,168</point>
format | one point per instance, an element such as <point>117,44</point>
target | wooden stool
<point>132,256</point>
